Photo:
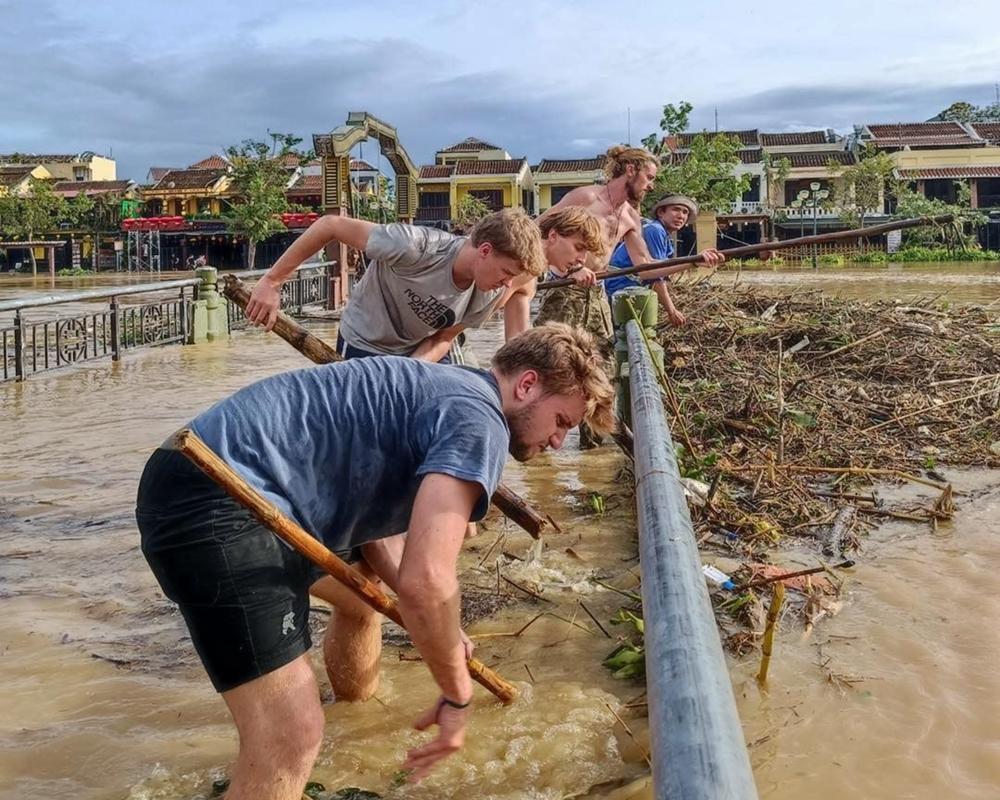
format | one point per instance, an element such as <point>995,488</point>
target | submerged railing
<point>30,346</point>
<point>696,740</point>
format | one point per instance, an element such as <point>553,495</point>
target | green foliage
<point>962,111</point>
<point>692,466</point>
<point>913,204</point>
<point>864,185</point>
<point>626,661</point>
<point>259,179</point>
<point>597,503</point>
<point>673,121</point>
<point>706,173</point>
<point>941,253</point>
<point>831,258</point>
<point>74,272</point>
<point>775,172</point>
<point>470,210</point>
<point>379,206</point>
<point>313,789</point>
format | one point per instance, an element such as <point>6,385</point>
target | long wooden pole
<point>512,505</point>
<point>188,443</point>
<point>682,263</point>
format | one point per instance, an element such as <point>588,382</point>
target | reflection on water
<point>104,698</point>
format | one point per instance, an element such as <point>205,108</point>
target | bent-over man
<point>354,452</point>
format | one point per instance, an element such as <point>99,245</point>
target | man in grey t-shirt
<point>422,285</point>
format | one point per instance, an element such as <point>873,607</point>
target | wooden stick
<point>901,417</point>
<point>758,582</point>
<point>683,263</point>
<point>319,352</point>
<point>195,449</point>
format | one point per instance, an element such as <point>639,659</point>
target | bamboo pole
<point>512,505</point>
<point>772,623</point>
<point>188,443</point>
<point>683,263</point>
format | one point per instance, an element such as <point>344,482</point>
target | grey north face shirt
<point>407,292</point>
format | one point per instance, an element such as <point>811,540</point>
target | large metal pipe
<point>698,750</point>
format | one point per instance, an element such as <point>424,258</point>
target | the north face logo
<point>430,310</point>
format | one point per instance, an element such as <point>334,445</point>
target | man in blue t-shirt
<point>355,453</point>
<point>669,214</point>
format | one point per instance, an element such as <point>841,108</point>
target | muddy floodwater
<point>895,697</point>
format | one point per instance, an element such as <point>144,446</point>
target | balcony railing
<point>436,214</point>
<point>747,207</point>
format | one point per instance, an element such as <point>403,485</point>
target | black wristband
<point>446,702</point>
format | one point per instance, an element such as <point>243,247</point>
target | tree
<point>380,205</point>
<point>967,112</point>
<point>864,184</point>
<point>775,172</point>
<point>259,180</point>
<point>673,121</point>
<point>37,212</point>
<point>470,210</point>
<point>911,203</point>
<point>706,173</point>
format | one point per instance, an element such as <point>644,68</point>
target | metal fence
<point>31,346</point>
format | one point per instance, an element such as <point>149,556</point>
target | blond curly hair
<point>513,234</point>
<point>620,156</point>
<point>568,361</point>
<point>574,220</point>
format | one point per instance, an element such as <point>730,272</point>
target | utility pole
<point>628,113</point>
<point>716,119</point>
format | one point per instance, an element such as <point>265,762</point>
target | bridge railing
<point>696,740</point>
<point>111,325</point>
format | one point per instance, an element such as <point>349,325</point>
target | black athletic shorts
<point>243,593</point>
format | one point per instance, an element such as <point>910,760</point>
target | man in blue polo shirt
<point>670,213</point>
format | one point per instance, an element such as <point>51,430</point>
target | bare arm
<point>516,305</point>
<point>265,298</point>
<point>429,604</point>
<point>436,347</point>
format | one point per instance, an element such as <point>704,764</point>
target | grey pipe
<point>698,750</point>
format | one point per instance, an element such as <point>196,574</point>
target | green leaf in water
<point>313,789</point>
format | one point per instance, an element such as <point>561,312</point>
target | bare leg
<point>352,646</point>
<point>280,723</point>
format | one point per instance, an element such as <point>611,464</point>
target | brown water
<point>104,699</point>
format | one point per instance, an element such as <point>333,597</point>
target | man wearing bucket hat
<point>669,214</point>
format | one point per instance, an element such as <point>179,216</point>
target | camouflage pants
<point>585,308</point>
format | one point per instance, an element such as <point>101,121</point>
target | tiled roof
<point>35,158</point>
<point>362,166</point>
<point>155,173</point>
<point>747,138</point>
<point>212,162</point>
<point>90,188</point>
<point>466,145</point>
<point>189,179</point>
<point>930,141</point>
<point>950,172</point>
<point>500,166</point>
<point>307,184</point>
<point>792,139</point>
<point>11,176</point>
<point>436,171</point>
<point>988,130</point>
<point>922,134</point>
<point>748,155</point>
<point>916,129</point>
<point>577,165</point>
<point>820,159</point>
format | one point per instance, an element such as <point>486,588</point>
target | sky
<point>166,84</point>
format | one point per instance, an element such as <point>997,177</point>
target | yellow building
<point>188,192</point>
<point>85,166</point>
<point>555,178</point>
<point>934,155</point>
<point>16,180</point>
<point>472,168</point>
